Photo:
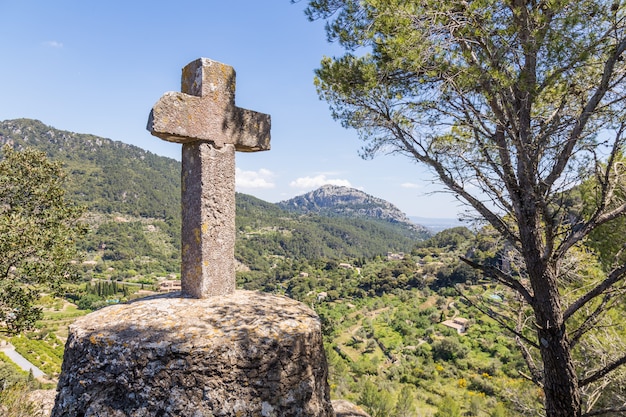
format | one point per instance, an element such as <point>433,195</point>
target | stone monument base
<point>244,354</point>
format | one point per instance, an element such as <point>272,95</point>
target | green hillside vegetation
<point>382,322</point>
<point>386,346</point>
<point>107,176</point>
<point>381,315</point>
<point>133,197</point>
<point>265,231</point>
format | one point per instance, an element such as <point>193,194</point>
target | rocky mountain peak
<point>348,202</point>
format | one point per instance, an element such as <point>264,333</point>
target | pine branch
<point>615,275</point>
<point>589,109</point>
<point>590,321</point>
<point>600,373</point>
<point>536,375</point>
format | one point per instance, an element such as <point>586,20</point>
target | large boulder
<point>244,354</point>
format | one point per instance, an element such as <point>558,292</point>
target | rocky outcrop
<point>44,400</point>
<point>245,354</point>
<point>345,201</point>
<point>345,408</point>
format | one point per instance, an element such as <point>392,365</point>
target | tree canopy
<point>511,104</point>
<point>38,231</point>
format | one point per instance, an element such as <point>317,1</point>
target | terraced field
<point>43,347</point>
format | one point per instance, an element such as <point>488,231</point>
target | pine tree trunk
<point>560,382</point>
<point>562,394</point>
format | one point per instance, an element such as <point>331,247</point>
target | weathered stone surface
<point>204,118</point>
<point>246,354</point>
<point>345,408</point>
<point>205,110</point>
<point>44,400</point>
<point>208,214</point>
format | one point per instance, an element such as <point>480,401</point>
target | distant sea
<point>436,224</point>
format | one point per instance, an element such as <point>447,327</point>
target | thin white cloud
<point>263,178</point>
<point>317,181</point>
<point>53,44</point>
<point>410,185</point>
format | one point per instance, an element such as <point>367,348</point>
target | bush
<point>448,408</point>
<point>448,349</point>
<point>89,302</point>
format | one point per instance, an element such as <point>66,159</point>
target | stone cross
<point>204,118</point>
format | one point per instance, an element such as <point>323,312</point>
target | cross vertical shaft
<point>204,118</point>
<point>208,215</point>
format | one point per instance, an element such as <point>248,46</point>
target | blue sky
<point>98,67</point>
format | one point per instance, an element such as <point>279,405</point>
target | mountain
<point>332,201</point>
<point>266,228</point>
<point>133,198</point>
<point>107,176</point>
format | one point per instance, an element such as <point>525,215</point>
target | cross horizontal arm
<point>183,118</point>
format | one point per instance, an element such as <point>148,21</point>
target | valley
<point>386,289</point>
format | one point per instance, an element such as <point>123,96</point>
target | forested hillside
<point>133,198</point>
<point>265,229</point>
<point>107,176</point>
<point>384,295</point>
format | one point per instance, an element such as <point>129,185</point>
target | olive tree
<point>511,104</point>
<point>38,230</point>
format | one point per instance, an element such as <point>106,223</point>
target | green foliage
<point>405,404</point>
<point>90,302</point>
<point>510,104</point>
<point>378,402</point>
<point>39,228</point>
<point>15,388</point>
<point>393,341</point>
<point>102,293</point>
<point>448,349</point>
<point>120,241</point>
<point>607,239</point>
<point>498,411</point>
<point>10,373</point>
<point>448,408</point>
<point>45,353</point>
<point>452,239</point>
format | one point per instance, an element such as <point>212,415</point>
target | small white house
<point>459,324</point>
